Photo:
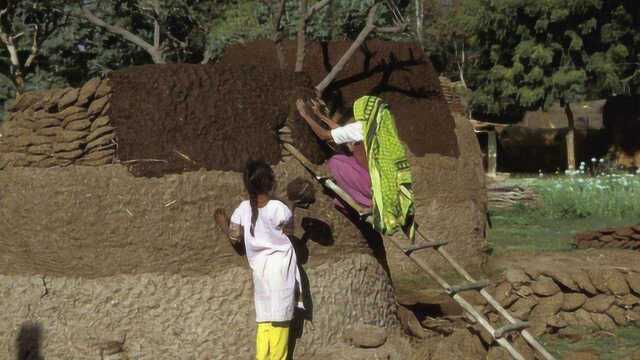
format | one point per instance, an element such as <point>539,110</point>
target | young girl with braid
<point>264,223</point>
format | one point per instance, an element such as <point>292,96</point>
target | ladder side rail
<point>492,301</point>
<point>463,303</point>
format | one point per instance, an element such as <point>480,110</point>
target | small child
<point>264,223</point>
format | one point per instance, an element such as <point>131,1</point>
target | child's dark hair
<point>258,179</point>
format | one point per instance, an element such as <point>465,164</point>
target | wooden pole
<point>492,153</point>
<point>570,138</point>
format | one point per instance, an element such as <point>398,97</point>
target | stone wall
<point>554,298</point>
<point>59,127</point>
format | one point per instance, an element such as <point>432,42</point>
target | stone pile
<point>552,299</point>
<point>620,238</point>
<point>59,127</point>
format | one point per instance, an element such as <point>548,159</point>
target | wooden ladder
<point>412,248</point>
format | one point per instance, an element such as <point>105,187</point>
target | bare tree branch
<point>156,53</point>
<point>302,36</point>
<point>35,48</point>
<point>278,35</point>
<point>364,33</point>
<point>317,7</point>
<point>305,16</point>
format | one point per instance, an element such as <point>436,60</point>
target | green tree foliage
<point>533,53</point>
<point>26,30</point>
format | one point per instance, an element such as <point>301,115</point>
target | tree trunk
<point>302,36</point>
<point>278,36</point>
<point>368,28</point>
<point>420,22</point>
<point>570,138</point>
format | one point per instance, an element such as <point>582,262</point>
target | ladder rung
<point>428,245</point>
<point>517,326</point>
<point>478,285</point>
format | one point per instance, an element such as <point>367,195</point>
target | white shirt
<point>271,258</point>
<point>349,133</point>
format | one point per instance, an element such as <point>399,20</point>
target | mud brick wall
<point>552,299</point>
<point>59,127</point>
<point>620,238</point>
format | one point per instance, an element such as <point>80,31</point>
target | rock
<point>633,316</point>
<point>618,315</point>
<point>98,105</point>
<point>569,318</point>
<point>545,286</point>
<point>503,292</point>
<point>410,323</point>
<point>583,318</point>
<point>68,98</point>
<point>628,301</point>
<point>498,353</point>
<point>583,281</point>
<point>562,278</point>
<point>524,291</point>
<point>557,322</point>
<point>573,301</point>
<point>633,279</point>
<point>604,322</point>
<point>461,345</point>
<point>517,276</point>
<point>474,298</point>
<point>439,325</point>
<point>599,280</point>
<point>546,308</point>
<point>87,91</point>
<point>99,122</point>
<point>367,336</point>
<point>599,303</point>
<point>522,308</point>
<point>616,283</point>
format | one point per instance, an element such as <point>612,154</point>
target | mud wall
<point>59,127</point>
<point>445,155</point>
<point>163,316</point>
<point>92,254</point>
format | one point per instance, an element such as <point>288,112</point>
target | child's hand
<point>221,217</point>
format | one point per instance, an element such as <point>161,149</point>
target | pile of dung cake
<point>59,127</point>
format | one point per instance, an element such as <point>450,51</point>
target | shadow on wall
<point>408,83</point>
<point>29,342</point>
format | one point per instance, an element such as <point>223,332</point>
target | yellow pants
<point>272,341</point>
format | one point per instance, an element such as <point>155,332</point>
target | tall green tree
<point>534,53</point>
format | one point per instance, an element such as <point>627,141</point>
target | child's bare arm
<point>233,232</point>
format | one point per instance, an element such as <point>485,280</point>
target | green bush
<point>578,195</point>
